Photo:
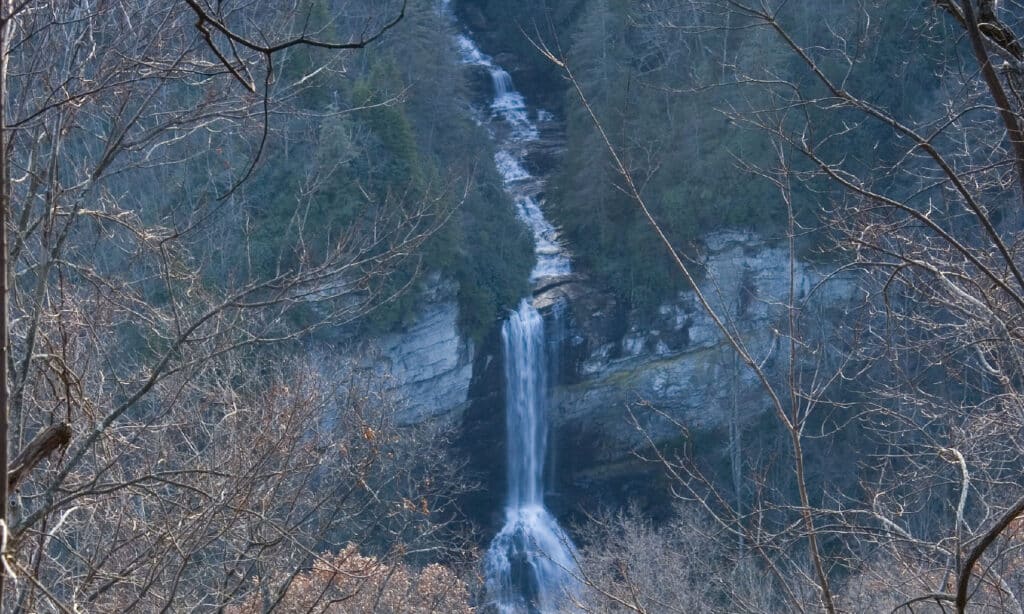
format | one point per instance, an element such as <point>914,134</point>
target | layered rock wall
<point>429,364</point>
<point>627,381</point>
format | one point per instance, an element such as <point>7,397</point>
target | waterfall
<point>502,82</point>
<point>531,563</point>
<point>526,384</point>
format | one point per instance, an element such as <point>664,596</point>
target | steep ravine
<point>613,363</point>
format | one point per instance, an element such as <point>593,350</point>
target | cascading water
<point>530,565</point>
<point>531,561</point>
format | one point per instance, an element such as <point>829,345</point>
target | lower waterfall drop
<point>531,563</point>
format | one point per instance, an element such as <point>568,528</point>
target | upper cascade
<point>519,131</point>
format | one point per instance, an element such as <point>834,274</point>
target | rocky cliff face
<point>616,370</point>
<point>624,380</point>
<point>429,363</point>
<point>627,382</point>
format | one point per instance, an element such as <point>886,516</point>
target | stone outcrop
<point>621,378</point>
<point>429,362</point>
<point>626,381</point>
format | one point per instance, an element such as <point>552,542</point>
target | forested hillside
<point>730,167</point>
<point>389,128</point>
<point>680,88</point>
<point>192,193</point>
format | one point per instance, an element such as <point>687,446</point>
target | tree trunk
<point>5,201</point>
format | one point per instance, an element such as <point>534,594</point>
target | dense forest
<point>394,124</point>
<point>213,209</point>
<point>677,86</point>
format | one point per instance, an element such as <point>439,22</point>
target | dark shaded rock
<point>481,86</point>
<point>481,438</point>
<point>473,17</point>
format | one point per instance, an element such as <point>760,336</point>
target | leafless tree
<point>150,468</point>
<point>933,236</point>
<point>228,489</point>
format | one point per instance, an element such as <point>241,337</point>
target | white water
<point>530,565</point>
<point>516,131</point>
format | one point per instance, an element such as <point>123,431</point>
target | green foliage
<point>409,139</point>
<point>495,251</point>
<point>686,108</point>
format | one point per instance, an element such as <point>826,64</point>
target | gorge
<point>492,307</point>
<point>574,361</point>
<point>605,356</point>
<point>552,444</point>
